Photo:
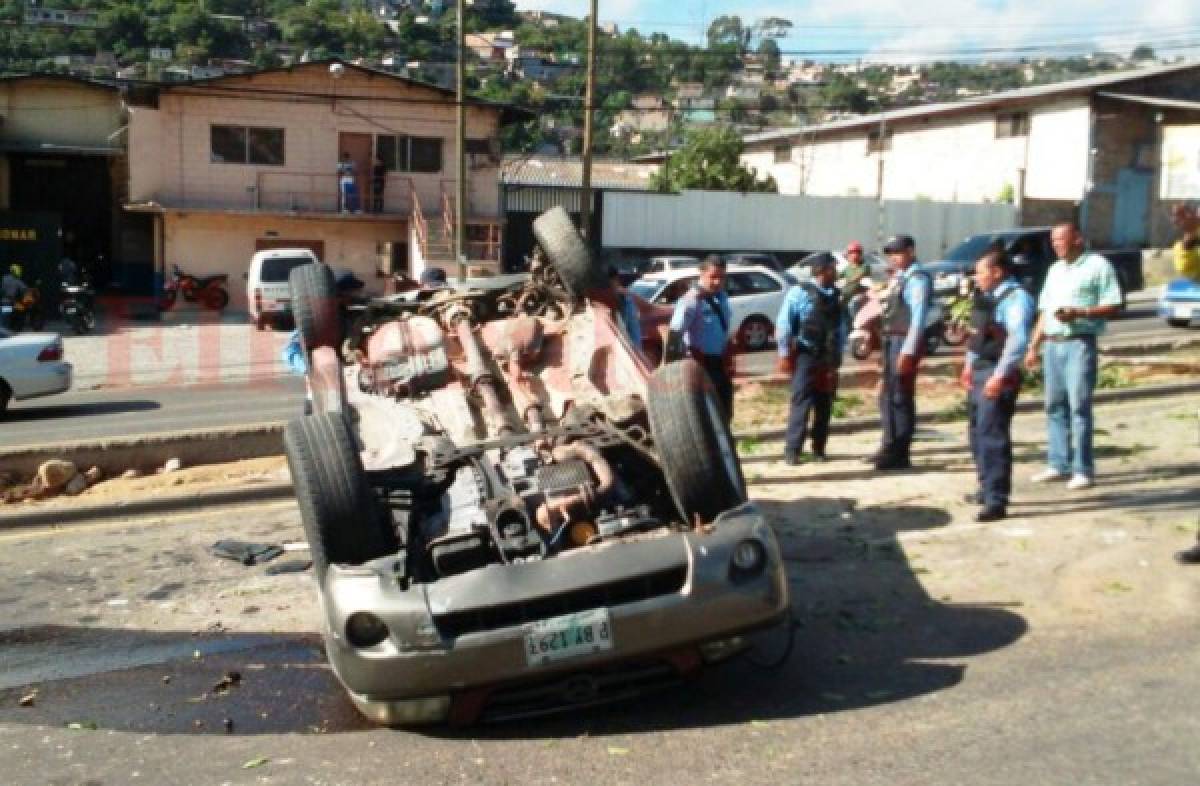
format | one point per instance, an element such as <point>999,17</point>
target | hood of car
<point>1182,289</point>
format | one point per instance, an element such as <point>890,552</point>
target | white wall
<point>1058,152</point>
<point>954,159</point>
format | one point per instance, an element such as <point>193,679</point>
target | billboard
<point>1181,162</point>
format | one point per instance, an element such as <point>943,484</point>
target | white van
<point>267,294</point>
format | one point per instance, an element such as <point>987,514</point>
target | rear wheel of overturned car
<point>314,304</point>
<point>567,252</point>
<point>694,443</point>
<point>342,517</point>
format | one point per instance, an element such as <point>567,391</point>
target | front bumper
<point>55,379</point>
<point>463,632</point>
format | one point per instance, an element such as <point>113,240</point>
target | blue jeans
<point>1070,373</point>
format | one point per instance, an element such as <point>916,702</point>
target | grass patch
<point>1112,377</point>
<point>846,405</point>
<point>952,413</point>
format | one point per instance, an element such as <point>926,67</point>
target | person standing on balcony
<point>378,183</point>
<point>347,188</point>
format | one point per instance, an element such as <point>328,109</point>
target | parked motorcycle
<point>25,312</point>
<point>958,314</point>
<point>76,305</point>
<point>866,335</point>
<point>208,291</point>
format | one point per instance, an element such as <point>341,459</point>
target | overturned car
<point>509,513</point>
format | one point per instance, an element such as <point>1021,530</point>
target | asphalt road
<point>1059,646</point>
<point>92,414</point>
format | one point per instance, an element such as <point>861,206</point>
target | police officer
<point>1001,317</point>
<point>700,328</point>
<point>905,308</point>
<point>810,332</point>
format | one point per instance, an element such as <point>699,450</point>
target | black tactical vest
<point>819,328</point>
<point>897,316</point>
<point>987,334</point>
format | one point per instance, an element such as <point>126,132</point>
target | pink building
<point>240,163</point>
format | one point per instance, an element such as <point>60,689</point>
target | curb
<point>855,425</point>
<point>169,504</point>
<point>283,490</point>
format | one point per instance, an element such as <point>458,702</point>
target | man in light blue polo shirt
<point>1080,294</point>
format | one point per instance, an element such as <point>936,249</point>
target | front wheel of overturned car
<point>568,253</point>
<point>342,517</point>
<point>694,443</point>
<point>314,304</point>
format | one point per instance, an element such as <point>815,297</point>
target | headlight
<point>364,629</point>
<point>748,559</point>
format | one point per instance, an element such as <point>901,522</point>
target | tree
<point>709,160</point>
<point>728,31</point>
<point>768,50</point>
<point>1143,52</point>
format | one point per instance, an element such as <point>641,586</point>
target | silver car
<point>509,514</point>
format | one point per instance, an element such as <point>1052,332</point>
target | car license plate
<point>569,636</point>
<point>1183,312</point>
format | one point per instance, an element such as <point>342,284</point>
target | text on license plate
<point>568,636</point>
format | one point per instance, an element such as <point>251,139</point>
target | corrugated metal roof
<point>1019,95</point>
<point>615,175</point>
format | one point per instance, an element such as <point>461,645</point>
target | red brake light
<point>50,354</point>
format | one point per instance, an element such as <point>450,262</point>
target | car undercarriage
<point>509,512</point>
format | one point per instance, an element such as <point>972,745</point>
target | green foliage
<point>709,161</point>
<point>1007,194</point>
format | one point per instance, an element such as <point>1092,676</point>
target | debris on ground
<point>28,699</point>
<point>245,552</point>
<point>172,465</point>
<point>226,682</point>
<point>289,566</point>
<point>52,475</point>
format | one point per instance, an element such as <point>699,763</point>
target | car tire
<point>933,341</point>
<point>314,306</point>
<point>215,299</point>
<point>955,333</point>
<point>5,397</point>
<point>860,347</point>
<point>754,334</point>
<point>342,518</point>
<point>1178,323</point>
<point>566,250</point>
<point>695,446</point>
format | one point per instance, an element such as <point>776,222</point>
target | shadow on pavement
<point>25,412</point>
<point>865,630</point>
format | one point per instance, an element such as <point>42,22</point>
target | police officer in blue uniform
<point>905,308</point>
<point>1002,315</point>
<point>700,328</point>
<point>810,332</point>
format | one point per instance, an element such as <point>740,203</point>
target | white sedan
<point>31,365</point>
<point>755,295</point>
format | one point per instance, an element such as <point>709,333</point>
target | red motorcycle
<point>208,291</point>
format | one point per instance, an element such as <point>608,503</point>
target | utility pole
<point>460,143</point>
<point>881,224</point>
<point>589,97</point>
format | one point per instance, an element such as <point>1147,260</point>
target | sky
<point>907,31</point>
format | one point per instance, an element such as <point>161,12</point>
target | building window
<point>877,142</point>
<point>244,145</point>
<point>783,154</point>
<point>409,153</point>
<point>1012,124</point>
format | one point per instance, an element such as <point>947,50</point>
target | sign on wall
<point>1181,162</point>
